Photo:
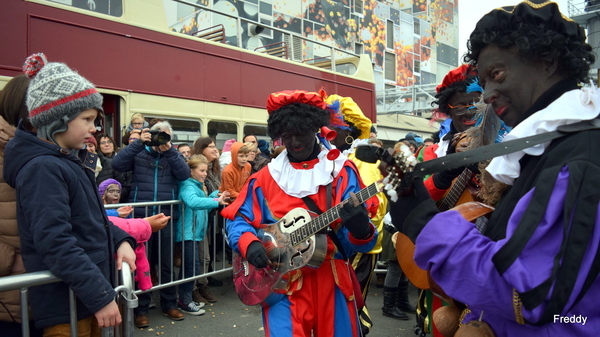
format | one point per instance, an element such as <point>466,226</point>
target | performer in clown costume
<point>316,301</point>
<point>356,133</point>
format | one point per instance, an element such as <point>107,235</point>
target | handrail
<point>215,35</point>
<point>145,204</point>
<point>27,280</point>
<point>281,50</point>
<point>239,37</point>
<point>324,58</point>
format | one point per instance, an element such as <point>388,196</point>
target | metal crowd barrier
<point>126,299</point>
<point>126,292</point>
<point>215,242</point>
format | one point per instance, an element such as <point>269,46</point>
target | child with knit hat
<point>110,192</point>
<point>91,146</point>
<point>225,157</point>
<point>60,215</point>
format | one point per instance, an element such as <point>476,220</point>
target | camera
<point>158,138</point>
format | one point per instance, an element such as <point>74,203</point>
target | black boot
<point>389,304</point>
<point>402,300</point>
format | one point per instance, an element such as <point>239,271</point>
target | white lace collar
<point>442,148</point>
<point>302,182</point>
<point>572,107</point>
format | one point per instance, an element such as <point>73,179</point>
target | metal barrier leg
<point>24,313</point>
<point>130,302</point>
<point>127,301</point>
<point>73,312</point>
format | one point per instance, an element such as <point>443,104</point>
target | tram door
<point>110,122</point>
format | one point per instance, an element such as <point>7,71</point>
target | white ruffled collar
<point>442,148</point>
<point>572,107</point>
<point>302,182</point>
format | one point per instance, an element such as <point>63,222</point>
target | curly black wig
<point>537,41</point>
<point>443,97</point>
<point>296,119</point>
<point>354,131</point>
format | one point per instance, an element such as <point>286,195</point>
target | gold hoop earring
<point>351,140</point>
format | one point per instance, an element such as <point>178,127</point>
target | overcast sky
<point>470,11</point>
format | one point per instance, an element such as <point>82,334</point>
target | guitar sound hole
<point>300,252</point>
<point>296,219</point>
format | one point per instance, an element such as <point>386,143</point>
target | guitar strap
<point>329,231</point>
<point>372,153</point>
<point>456,160</point>
<point>360,303</point>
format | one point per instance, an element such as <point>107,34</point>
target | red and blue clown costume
<point>315,302</point>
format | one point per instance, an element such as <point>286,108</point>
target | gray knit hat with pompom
<point>56,91</point>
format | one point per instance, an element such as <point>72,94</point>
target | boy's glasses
<point>137,124</point>
<point>212,146</point>
<point>461,109</point>
<point>113,191</point>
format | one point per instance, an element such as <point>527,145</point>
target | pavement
<point>230,317</point>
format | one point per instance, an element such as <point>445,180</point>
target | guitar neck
<point>312,227</point>
<point>456,191</point>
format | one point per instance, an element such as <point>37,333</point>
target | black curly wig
<point>297,119</point>
<point>443,97</point>
<point>354,131</point>
<point>537,41</point>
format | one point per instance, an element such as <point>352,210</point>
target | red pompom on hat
<point>282,98</point>
<point>456,75</point>
<point>34,64</point>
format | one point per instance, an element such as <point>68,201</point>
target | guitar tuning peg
<point>393,195</point>
<point>388,187</point>
<point>386,180</point>
<point>411,160</point>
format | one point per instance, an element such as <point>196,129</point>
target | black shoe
<point>394,312</point>
<point>406,307</point>
<point>402,301</point>
<point>213,282</point>
<point>389,305</point>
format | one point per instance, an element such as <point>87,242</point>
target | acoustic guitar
<point>458,194</point>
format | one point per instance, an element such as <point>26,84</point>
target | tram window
<point>184,130</point>
<point>222,131</point>
<point>260,131</point>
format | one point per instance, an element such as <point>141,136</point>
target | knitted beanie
<point>263,146</point>
<point>91,140</point>
<point>56,91</point>
<point>227,146</point>
<point>104,185</point>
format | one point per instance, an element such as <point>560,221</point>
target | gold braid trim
<point>462,316</point>
<point>535,6</point>
<point>518,306</point>
<point>295,275</point>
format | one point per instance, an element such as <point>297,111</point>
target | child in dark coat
<point>60,216</point>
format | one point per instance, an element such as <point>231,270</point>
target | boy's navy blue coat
<point>63,228</point>
<point>155,175</point>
